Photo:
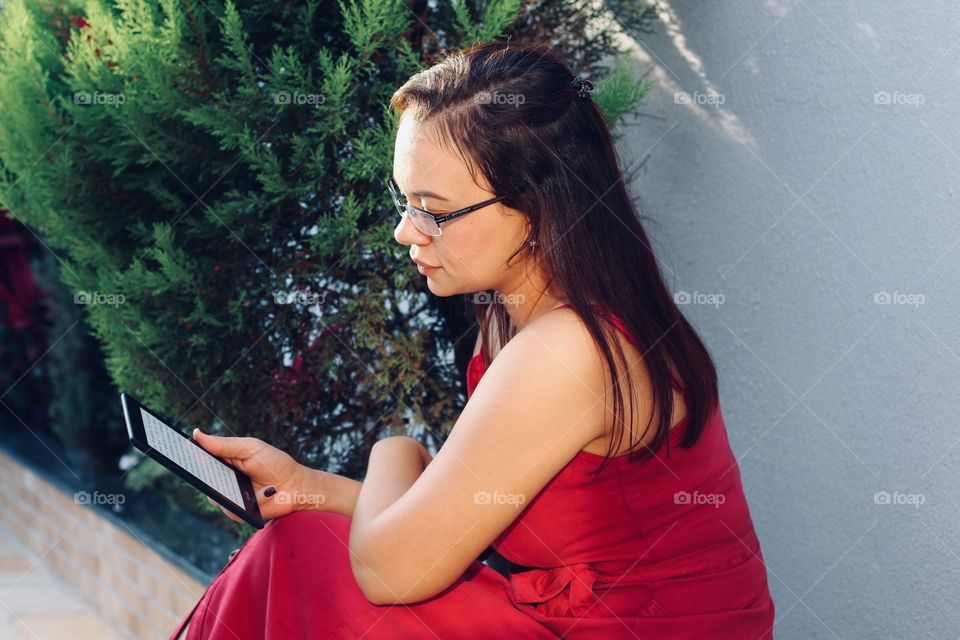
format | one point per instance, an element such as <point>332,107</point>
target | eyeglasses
<point>423,220</point>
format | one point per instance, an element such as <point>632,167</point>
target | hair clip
<point>584,87</point>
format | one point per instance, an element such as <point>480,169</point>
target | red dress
<point>649,549</point>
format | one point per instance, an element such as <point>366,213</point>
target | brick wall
<point>135,588</point>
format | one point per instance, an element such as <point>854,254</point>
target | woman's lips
<point>425,270</point>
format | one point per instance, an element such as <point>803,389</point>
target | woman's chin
<point>439,287</point>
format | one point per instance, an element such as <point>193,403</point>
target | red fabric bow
<point>545,587</point>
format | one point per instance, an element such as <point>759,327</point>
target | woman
<point>615,527</point>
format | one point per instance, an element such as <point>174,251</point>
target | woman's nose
<point>406,233</point>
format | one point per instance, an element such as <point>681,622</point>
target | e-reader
<point>180,453</point>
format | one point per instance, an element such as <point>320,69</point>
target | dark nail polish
<point>269,491</point>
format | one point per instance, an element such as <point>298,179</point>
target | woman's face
<point>472,251</point>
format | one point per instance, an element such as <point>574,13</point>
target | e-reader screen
<point>230,487</point>
<point>190,457</point>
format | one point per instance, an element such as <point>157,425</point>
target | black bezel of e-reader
<point>138,437</point>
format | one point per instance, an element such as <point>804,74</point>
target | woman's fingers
<point>270,473</point>
<point>231,516</point>
<point>263,494</point>
<point>226,512</point>
<point>224,446</point>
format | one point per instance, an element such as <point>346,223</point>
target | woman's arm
<point>416,530</point>
<point>297,486</point>
<point>328,491</point>
<point>395,464</point>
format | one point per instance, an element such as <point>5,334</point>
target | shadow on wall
<point>805,199</point>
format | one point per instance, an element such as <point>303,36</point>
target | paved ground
<point>36,604</point>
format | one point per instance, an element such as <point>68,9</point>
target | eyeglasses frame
<point>395,193</point>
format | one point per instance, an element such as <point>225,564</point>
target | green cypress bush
<point>210,177</point>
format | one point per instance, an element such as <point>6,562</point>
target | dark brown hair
<point>512,113</point>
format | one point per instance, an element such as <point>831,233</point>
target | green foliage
<point>618,93</point>
<point>84,407</point>
<point>497,17</point>
<point>211,173</point>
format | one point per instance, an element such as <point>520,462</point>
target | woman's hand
<point>268,467</point>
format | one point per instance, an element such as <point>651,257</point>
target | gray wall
<point>816,166</point>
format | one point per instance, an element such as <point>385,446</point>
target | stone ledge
<point>136,590</point>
